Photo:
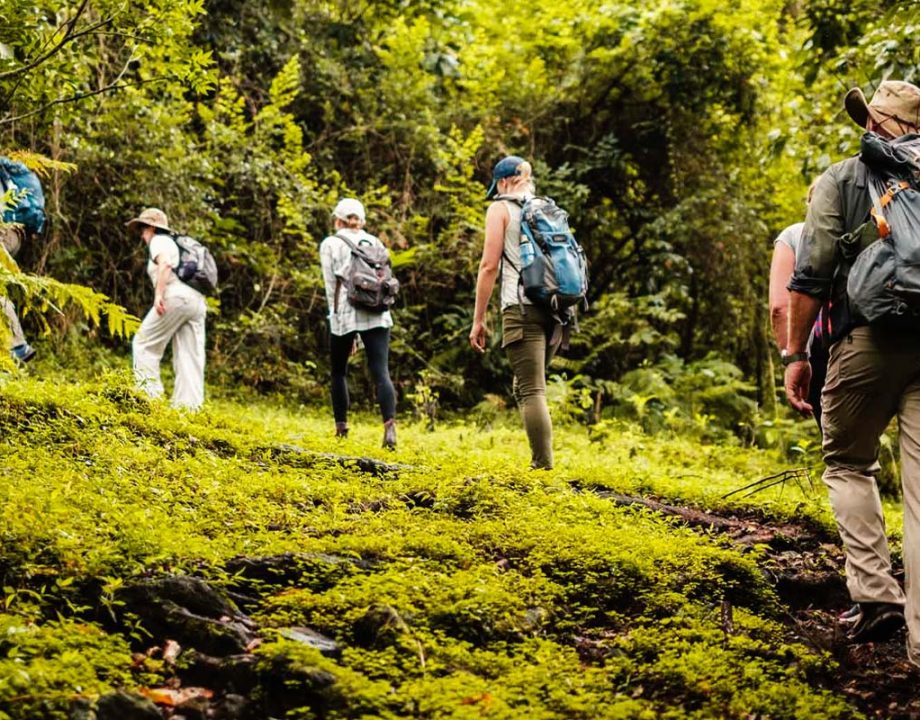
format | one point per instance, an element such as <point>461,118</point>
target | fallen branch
<point>308,458</point>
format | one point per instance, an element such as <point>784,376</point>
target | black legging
<point>377,346</point>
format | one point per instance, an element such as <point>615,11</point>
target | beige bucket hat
<point>153,217</point>
<point>893,99</point>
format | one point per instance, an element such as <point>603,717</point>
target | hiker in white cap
<point>177,316</point>
<point>347,321</point>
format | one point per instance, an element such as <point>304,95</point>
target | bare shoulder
<point>498,210</point>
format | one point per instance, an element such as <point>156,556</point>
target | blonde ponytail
<point>520,183</point>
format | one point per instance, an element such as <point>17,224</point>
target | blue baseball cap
<point>504,168</point>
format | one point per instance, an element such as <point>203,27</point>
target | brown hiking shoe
<point>389,434</point>
<point>341,430</point>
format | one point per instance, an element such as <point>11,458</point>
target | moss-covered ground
<point>456,584</point>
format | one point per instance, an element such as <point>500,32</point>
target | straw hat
<point>154,217</point>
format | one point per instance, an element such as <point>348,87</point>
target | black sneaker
<point>850,616</point>
<point>877,622</point>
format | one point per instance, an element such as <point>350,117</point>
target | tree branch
<point>69,35</point>
<point>115,85</point>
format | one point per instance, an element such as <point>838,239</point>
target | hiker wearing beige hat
<point>177,317</point>
<point>874,368</point>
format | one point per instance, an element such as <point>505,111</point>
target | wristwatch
<point>789,358</point>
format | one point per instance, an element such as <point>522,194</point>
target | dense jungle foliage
<point>680,135</point>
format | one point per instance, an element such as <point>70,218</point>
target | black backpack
<point>197,267</point>
<point>883,285</point>
<point>370,284</point>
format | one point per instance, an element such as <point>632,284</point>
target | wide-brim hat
<point>892,99</point>
<point>151,216</point>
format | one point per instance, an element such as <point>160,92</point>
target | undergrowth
<point>457,584</point>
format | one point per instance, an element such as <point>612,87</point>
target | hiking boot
<point>877,622</point>
<point>341,430</point>
<point>389,434</point>
<point>23,352</point>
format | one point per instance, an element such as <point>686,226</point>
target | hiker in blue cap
<point>529,335</point>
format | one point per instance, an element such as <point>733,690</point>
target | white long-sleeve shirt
<point>335,257</point>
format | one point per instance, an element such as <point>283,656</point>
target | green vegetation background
<point>680,135</point>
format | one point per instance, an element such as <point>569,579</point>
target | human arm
<point>812,280</point>
<point>803,309</point>
<point>497,218</point>
<point>164,254</point>
<point>781,268</point>
<point>164,270</point>
<point>331,265</point>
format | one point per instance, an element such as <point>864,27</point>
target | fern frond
<point>38,163</point>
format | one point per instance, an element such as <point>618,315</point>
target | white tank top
<point>511,293</point>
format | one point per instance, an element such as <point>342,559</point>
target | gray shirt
<point>791,237</point>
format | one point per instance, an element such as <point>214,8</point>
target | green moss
<point>458,586</point>
<point>45,667</point>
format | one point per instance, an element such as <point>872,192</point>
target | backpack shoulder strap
<point>519,201</point>
<point>351,244</point>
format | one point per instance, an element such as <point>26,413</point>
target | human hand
<point>478,336</point>
<point>159,303</point>
<point>797,381</point>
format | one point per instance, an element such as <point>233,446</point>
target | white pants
<point>11,239</point>
<point>18,338</point>
<point>183,324</point>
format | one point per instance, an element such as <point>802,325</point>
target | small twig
<point>779,478</point>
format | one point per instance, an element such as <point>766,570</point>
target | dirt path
<point>805,564</point>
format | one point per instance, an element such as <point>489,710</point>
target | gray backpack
<point>883,285</point>
<point>197,267</point>
<point>370,284</point>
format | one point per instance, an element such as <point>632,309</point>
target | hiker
<point>530,333</point>
<point>20,349</point>
<point>874,368</point>
<point>785,249</point>
<point>25,215</point>
<point>177,316</point>
<point>349,320</point>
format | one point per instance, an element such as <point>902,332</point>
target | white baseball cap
<point>347,207</point>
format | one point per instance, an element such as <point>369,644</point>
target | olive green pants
<point>531,340</point>
<point>873,376</point>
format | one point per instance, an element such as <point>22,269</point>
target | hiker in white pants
<point>177,315</point>
<point>11,240</point>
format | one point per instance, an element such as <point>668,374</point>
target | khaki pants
<point>530,341</point>
<point>11,240</point>
<point>183,325</point>
<point>873,376</point>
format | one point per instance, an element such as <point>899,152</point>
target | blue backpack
<point>29,200</point>
<point>554,271</point>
